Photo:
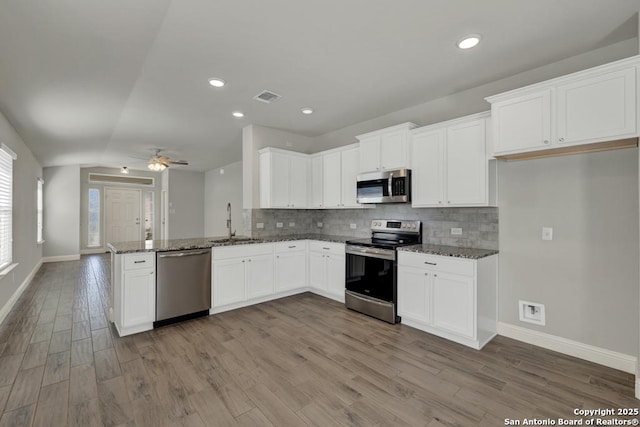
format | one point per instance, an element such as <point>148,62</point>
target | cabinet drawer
<point>284,247</point>
<point>326,247</point>
<point>242,251</point>
<point>444,264</point>
<point>139,260</point>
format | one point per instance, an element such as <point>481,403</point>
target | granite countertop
<point>212,242</point>
<point>452,251</point>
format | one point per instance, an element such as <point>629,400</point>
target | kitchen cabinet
<point>134,292</point>
<point>385,149</point>
<point>327,269</point>
<point>283,179</point>
<point>339,171</point>
<point>242,273</point>
<point>316,201</point>
<point>450,297</point>
<point>451,167</point>
<point>583,111</point>
<point>290,265</point>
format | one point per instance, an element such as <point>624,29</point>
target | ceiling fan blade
<point>178,162</point>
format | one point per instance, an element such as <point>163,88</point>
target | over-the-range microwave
<point>392,186</point>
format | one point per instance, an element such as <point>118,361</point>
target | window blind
<point>39,211</point>
<point>6,205</point>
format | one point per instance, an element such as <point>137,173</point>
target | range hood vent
<point>267,97</point>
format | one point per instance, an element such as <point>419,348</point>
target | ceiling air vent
<point>267,97</point>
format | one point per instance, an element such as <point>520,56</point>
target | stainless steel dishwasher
<point>183,285</point>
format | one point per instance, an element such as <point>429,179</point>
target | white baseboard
<point>61,258</point>
<point>4,311</point>
<point>612,359</point>
<point>93,251</point>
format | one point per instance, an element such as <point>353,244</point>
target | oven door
<point>371,272</point>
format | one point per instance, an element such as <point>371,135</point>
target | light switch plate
<point>279,225</point>
<point>260,225</point>
<point>456,231</point>
<point>352,226</point>
<point>547,233</point>
<point>292,224</point>
<point>320,225</point>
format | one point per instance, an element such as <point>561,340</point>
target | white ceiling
<point>95,81</point>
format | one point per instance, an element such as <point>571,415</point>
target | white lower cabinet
<point>134,292</point>
<point>451,297</point>
<point>291,265</point>
<point>241,273</point>
<point>327,269</point>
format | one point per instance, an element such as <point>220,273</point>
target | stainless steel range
<point>371,282</point>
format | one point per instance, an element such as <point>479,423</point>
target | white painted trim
<point>602,356</point>
<point>637,387</point>
<point>61,258</point>
<point>93,251</point>
<point>4,311</point>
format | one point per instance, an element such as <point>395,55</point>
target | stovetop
<point>380,243</point>
<point>391,234</point>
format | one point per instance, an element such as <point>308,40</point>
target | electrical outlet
<point>319,225</point>
<point>547,233</point>
<point>352,226</point>
<point>292,224</point>
<point>260,225</point>
<point>456,231</point>
<point>531,312</point>
<point>279,225</point>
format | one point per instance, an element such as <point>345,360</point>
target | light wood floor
<point>302,360</point>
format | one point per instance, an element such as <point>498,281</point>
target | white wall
<point>220,189</point>
<point>26,252</point>
<point>587,276</point>
<point>62,211</point>
<point>186,204</point>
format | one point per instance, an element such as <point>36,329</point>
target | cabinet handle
<point>440,201</point>
<point>139,262</point>
<point>546,141</point>
<point>435,275</point>
<point>426,274</point>
<point>242,260</point>
<point>291,247</point>
<point>278,256</point>
<point>561,139</point>
<point>326,249</point>
<point>151,272</point>
<point>430,263</point>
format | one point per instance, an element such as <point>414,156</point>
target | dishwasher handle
<point>180,254</point>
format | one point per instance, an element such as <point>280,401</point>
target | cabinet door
<point>349,174</point>
<point>453,304</point>
<point>336,273</point>
<point>414,291</point>
<point>466,164</point>
<point>393,150</point>
<point>522,124</point>
<point>228,281</point>
<point>331,172</point>
<point>291,270</point>
<point>279,180</point>
<point>317,271</point>
<point>427,186</point>
<point>599,107</point>
<point>259,271</point>
<point>298,181</point>
<point>138,297</point>
<point>369,154</point>
<point>316,182</point>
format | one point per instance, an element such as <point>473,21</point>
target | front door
<point>122,215</point>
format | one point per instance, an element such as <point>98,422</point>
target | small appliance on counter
<point>392,186</point>
<point>371,270</point>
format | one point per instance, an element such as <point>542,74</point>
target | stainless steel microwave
<point>384,187</point>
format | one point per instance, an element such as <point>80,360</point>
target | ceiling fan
<point>159,163</point>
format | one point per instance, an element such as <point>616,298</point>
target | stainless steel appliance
<point>384,187</point>
<point>371,271</point>
<point>183,285</point>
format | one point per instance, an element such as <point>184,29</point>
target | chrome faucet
<point>231,234</point>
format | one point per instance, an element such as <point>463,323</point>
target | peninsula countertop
<point>452,251</point>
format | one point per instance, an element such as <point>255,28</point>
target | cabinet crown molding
<point>452,122</point>
<point>401,126</point>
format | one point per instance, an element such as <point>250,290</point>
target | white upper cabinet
<point>450,164</point>
<point>385,149</point>
<point>583,109</point>
<point>339,171</point>
<point>284,181</point>
<point>349,172</point>
<point>331,180</point>
<point>315,201</point>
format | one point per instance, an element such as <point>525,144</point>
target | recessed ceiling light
<point>469,41</point>
<point>307,110</point>
<point>238,114</point>
<point>216,82</point>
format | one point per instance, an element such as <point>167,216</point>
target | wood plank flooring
<point>297,361</point>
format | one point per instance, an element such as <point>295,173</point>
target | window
<point>148,215</point>
<point>93,239</point>
<point>6,205</point>
<point>39,211</point>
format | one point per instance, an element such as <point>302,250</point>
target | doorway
<point>122,212</point>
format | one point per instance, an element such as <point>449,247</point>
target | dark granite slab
<point>212,242</point>
<point>452,251</point>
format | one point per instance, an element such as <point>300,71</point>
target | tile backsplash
<point>479,225</point>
